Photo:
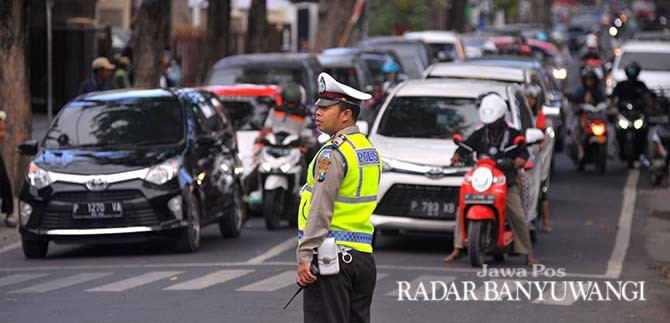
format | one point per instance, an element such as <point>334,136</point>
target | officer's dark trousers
<point>345,297</point>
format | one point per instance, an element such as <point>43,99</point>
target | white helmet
<point>591,41</point>
<point>492,108</point>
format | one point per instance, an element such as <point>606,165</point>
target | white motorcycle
<point>280,172</point>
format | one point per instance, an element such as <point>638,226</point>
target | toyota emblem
<point>96,184</point>
<point>434,172</point>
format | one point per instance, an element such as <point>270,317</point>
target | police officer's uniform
<point>337,201</point>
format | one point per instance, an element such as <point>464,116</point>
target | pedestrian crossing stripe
<point>276,282</point>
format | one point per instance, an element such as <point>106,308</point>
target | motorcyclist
<point>491,140</point>
<point>590,92</point>
<point>592,51</point>
<point>391,70</point>
<point>291,117</point>
<point>633,90</point>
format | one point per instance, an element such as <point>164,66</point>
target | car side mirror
<point>28,148</point>
<point>363,126</point>
<point>534,135</point>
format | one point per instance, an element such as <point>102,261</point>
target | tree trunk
<point>257,27</point>
<point>150,41</point>
<point>456,15</point>
<point>218,30</point>
<point>14,89</point>
<point>333,18</point>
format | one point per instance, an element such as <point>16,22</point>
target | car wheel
<point>34,249</point>
<point>189,237</point>
<point>231,225</point>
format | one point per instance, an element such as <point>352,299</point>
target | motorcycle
<point>280,172</point>
<point>590,144</point>
<point>631,132</point>
<point>482,207</point>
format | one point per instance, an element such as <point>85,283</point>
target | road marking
<point>209,280</point>
<point>62,283</point>
<point>10,247</point>
<point>133,282</point>
<point>441,269</point>
<point>615,264</point>
<point>18,278</point>
<point>426,279</point>
<point>381,276</point>
<point>274,251</point>
<point>284,279</point>
<point>550,298</point>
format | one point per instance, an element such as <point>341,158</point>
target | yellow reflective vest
<point>357,195</point>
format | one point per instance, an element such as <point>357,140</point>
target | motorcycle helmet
<point>491,108</point>
<point>390,67</point>
<point>293,93</point>
<point>633,70</point>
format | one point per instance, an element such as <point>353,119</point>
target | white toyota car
<point>419,189</point>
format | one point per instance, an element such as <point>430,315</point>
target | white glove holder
<point>329,262</point>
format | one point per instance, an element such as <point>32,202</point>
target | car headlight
<point>482,178</point>
<point>37,177</point>
<point>163,173</point>
<point>387,165</point>
<point>639,123</point>
<point>623,123</point>
<point>560,73</point>
<point>265,167</point>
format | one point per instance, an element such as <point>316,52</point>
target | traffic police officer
<point>337,201</point>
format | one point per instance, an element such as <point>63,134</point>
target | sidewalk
<point>656,206</point>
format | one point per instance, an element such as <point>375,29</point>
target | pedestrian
<point>121,80</point>
<point>6,195</point>
<point>336,203</point>
<point>100,80</point>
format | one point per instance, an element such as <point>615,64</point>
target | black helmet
<point>633,70</point>
<point>293,93</point>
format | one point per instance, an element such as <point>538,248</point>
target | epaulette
<point>338,140</point>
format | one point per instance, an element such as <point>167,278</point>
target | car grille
<point>420,201</point>
<point>137,210</point>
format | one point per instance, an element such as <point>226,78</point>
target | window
<point>126,122</point>
<point>525,116</point>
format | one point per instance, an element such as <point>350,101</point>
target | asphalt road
<point>249,279</point>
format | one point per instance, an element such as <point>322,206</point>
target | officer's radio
<point>328,260</point>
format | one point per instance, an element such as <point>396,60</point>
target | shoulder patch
<point>322,165</point>
<point>367,157</point>
<point>338,140</point>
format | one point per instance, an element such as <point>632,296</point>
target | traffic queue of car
<point>133,165</point>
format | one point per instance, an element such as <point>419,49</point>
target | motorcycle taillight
<point>598,128</point>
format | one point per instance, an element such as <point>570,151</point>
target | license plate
<point>479,199</point>
<point>431,208</point>
<point>97,210</point>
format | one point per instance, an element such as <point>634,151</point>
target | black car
<point>268,68</point>
<point>415,54</point>
<point>132,165</point>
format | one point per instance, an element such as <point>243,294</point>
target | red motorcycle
<point>482,205</point>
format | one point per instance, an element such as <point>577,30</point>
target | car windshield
<point>131,122</point>
<point>256,75</point>
<point>429,117</point>
<point>410,57</point>
<point>247,112</point>
<point>444,52</point>
<point>648,61</point>
<point>346,75</point>
<point>375,64</point>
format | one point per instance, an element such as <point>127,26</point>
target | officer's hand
<point>456,158</point>
<point>305,276</point>
<point>519,162</point>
